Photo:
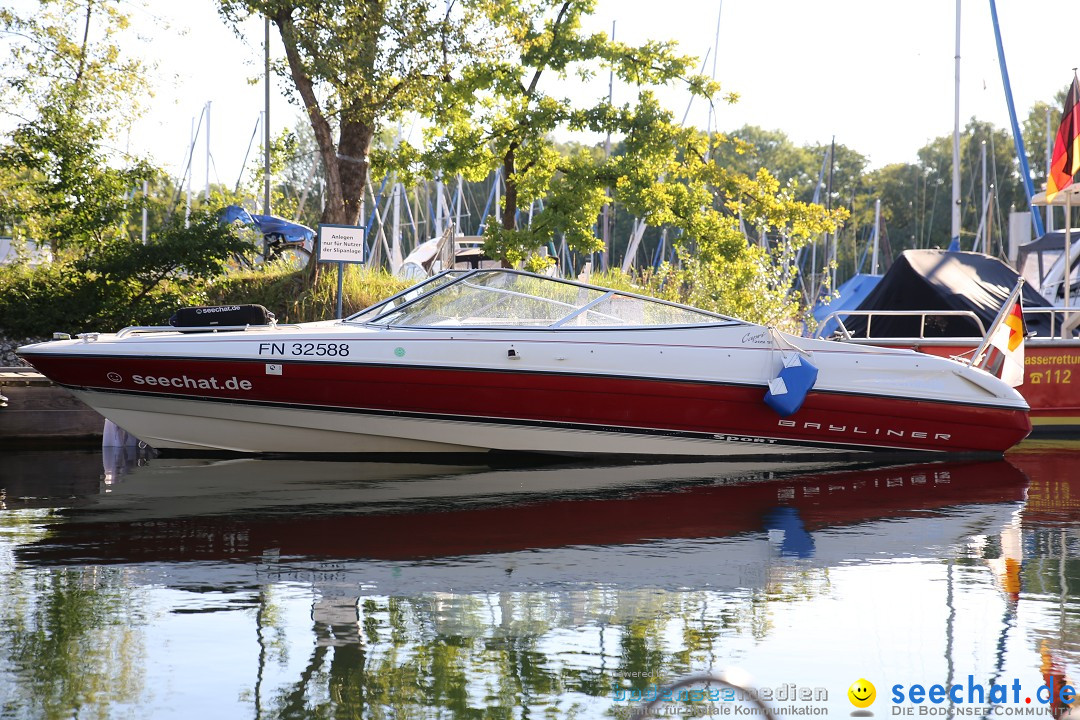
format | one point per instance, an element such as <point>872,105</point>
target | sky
<point>879,76</point>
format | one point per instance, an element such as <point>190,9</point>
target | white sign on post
<point>341,243</point>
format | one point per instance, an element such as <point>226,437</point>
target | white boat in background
<point>505,360</point>
<point>447,252</point>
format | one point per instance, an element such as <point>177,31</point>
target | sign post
<point>341,244</point>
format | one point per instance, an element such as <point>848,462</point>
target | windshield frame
<point>428,280</point>
<point>558,324</point>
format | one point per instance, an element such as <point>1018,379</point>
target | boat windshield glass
<point>502,298</point>
<point>405,296</point>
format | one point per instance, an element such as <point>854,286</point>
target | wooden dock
<point>38,413</point>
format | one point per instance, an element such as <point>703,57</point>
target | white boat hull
<point>189,425</point>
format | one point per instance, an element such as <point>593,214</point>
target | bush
<point>119,282</point>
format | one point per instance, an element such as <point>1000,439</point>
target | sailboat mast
<point>395,246</point>
<point>1018,138</point>
<point>877,236</point>
<point>830,247</point>
<point>982,223</point>
<point>1049,155</point>
<point>187,178</point>
<point>715,52</point>
<point>605,232</point>
<point>266,121</point>
<point>145,191</point>
<point>206,197</point>
<point>956,142</point>
<point>441,212</point>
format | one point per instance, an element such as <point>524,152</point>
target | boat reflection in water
<point>281,588</point>
<point>192,510</point>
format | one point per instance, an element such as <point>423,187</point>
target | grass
<point>282,291</point>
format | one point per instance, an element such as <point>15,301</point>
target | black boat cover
<point>922,280</point>
<point>222,315</point>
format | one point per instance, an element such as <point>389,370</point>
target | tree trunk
<point>509,213</point>
<point>352,162</point>
<point>346,161</point>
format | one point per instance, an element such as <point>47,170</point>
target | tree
<point>1034,132</point>
<point>302,176</point>
<point>68,86</point>
<point>58,186</point>
<point>67,54</point>
<point>502,113</point>
<point>751,148</point>
<point>899,186</point>
<point>1002,171</point>
<point>355,66</point>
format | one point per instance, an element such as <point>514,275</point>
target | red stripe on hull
<point>1051,379</point>
<point>604,402</point>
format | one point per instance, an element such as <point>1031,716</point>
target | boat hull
<point>246,406</point>
<point>1051,378</point>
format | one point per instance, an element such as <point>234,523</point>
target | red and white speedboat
<point>511,361</point>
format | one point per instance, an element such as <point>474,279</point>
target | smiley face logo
<point>862,693</point>
<point>114,377</point>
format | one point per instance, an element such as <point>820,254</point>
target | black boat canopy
<point>922,280</point>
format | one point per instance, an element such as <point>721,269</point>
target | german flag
<point>1017,330</point>
<point>1065,161</point>
<point>1005,356</point>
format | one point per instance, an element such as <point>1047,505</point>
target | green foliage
<point>930,220</point>
<point>914,196</point>
<point>300,178</point>
<point>57,187</point>
<point>1034,132</point>
<point>751,148</point>
<point>68,86</point>
<point>66,53</point>
<point>283,195</point>
<point>118,283</point>
<point>501,115</point>
<point>753,286</point>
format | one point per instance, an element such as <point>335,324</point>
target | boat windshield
<point>426,285</point>
<point>511,298</point>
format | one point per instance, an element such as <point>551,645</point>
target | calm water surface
<point>134,587</point>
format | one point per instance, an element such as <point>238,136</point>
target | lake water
<point>179,588</point>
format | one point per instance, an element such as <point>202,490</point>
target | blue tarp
<point>269,225</point>
<point>852,293</point>
<point>235,213</point>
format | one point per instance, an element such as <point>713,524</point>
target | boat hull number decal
<point>305,349</point>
